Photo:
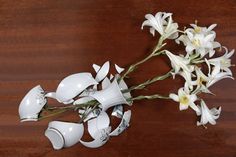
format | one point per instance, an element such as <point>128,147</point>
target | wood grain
<point>43,41</point>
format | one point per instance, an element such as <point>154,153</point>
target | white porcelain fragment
<point>100,122</point>
<point>102,73</point>
<point>51,95</point>
<point>83,100</point>
<point>105,83</point>
<point>119,69</point>
<point>92,115</point>
<point>123,86</point>
<point>73,85</point>
<point>117,111</point>
<point>32,104</point>
<point>64,134</point>
<point>111,76</point>
<point>96,67</point>
<point>110,96</point>
<point>123,124</point>
<point>102,136</point>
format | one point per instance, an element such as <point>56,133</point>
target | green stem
<point>150,97</point>
<point>148,82</point>
<point>153,53</point>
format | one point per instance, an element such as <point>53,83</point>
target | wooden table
<point>43,41</point>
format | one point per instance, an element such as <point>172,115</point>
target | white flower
<point>162,23</point>
<point>178,63</point>
<point>199,40</point>
<point>223,61</point>
<point>216,74</point>
<point>207,115</point>
<point>185,99</point>
<point>200,82</point>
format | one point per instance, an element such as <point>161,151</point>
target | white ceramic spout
<point>32,104</point>
<point>110,96</point>
<point>73,85</point>
<point>64,134</point>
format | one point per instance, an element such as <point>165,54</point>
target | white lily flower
<point>162,23</point>
<point>224,61</point>
<point>200,82</point>
<point>185,99</point>
<point>178,63</point>
<point>207,115</point>
<point>216,74</point>
<point>200,39</point>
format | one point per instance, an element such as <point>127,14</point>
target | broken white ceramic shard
<point>123,124</point>
<point>96,67</point>
<point>123,86</point>
<point>111,76</point>
<point>51,95</point>
<point>119,69</point>
<point>92,115</point>
<point>117,111</point>
<point>83,100</point>
<point>102,136</point>
<point>64,134</point>
<point>73,85</point>
<point>100,122</point>
<point>102,73</point>
<point>32,104</point>
<point>110,96</point>
<point>87,92</point>
<point>105,83</point>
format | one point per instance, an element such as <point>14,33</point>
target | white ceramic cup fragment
<point>101,137</point>
<point>119,69</point>
<point>105,83</point>
<point>73,85</point>
<point>100,122</point>
<point>102,73</point>
<point>110,96</point>
<point>123,124</point>
<point>96,67</point>
<point>117,111</point>
<point>64,134</point>
<point>32,104</point>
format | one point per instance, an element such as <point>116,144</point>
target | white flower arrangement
<point>90,96</point>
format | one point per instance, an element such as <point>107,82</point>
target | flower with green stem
<point>185,99</point>
<point>208,115</point>
<point>162,23</point>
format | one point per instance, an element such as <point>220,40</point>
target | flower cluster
<point>200,48</point>
<point>90,96</point>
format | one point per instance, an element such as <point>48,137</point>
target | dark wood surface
<point>43,41</point>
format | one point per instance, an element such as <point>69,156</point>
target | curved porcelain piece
<point>96,67</point>
<point>123,86</point>
<point>110,96</point>
<point>83,100</point>
<point>119,69</point>
<point>64,134</point>
<point>102,73</point>
<point>100,122</point>
<point>124,124</point>
<point>91,115</point>
<point>102,136</point>
<point>111,76</point>
<point>73,85</point>
<point>117,111</point>
<point>32,104</point>
<point>51,95</point>
<point>105,83</point>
